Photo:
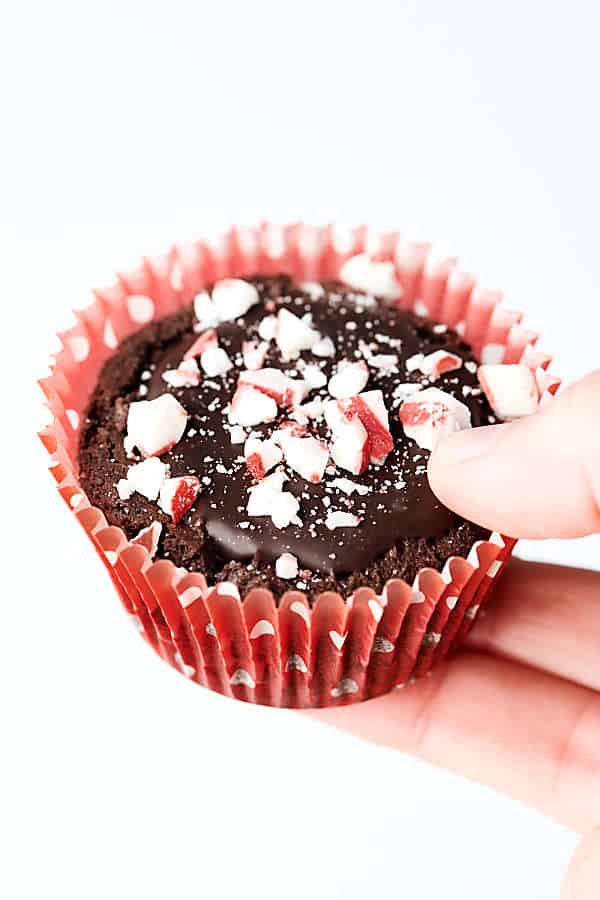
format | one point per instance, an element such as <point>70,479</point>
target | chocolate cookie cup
<point>243,428</point>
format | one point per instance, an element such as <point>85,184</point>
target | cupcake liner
<point>342,650</point>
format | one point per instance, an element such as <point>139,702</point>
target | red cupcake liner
<point>342,650</point>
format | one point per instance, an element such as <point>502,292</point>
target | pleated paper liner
<point>342,650</point>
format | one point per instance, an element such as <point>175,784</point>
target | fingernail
<point>466,445</point>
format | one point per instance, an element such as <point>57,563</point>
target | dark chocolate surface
<point>403,526</point>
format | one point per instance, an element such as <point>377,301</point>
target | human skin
<point>519,707</point>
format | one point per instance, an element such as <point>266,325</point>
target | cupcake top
<point>278,435</point>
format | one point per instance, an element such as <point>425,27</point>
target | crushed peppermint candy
<point>178,495</point>
<point>261,456</point>
<point>301,416</point>
<point>433,415</point>
<point>286,566</point>
<point>146,478</point>
<point>187,374</point>
<point>512,390</point>
<point>339,519</point>
<point>349,379</point>
<point>154,426</point>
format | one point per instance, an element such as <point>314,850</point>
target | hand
<point>519,707</point>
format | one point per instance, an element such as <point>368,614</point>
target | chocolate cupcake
<point>249,454</point>
<point>259,433</point>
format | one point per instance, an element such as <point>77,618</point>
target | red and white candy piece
<point>284,390</point>
<point>434,364</point>
<point>233,297</point>
<point>207,339</point>
<point>254,354</point>
<point>154,426</point>
<point>372,276</point>
<point>294,335</point>
<point>512,391</point>
<point>251,407</point>
<point>146,478</point>
<point>350,379</point>
<point>187,374</point>
<point>305,455</point>
<point>350,446</point>
<point>433,415</point>
<point>370,409</point>
<point>286,566</point>
<point>547,384</point>
<point>261,456</point>
<point>149,538</point>
<point>178,495</point>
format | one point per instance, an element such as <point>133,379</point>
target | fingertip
<point>450,468</point>
<point>582,881</point>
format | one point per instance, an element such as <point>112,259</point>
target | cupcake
<point>244,430</point>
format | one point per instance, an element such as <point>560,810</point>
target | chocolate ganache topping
<point>298,426</point>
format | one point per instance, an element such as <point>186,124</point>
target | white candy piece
<point>250,407</point>
<point>187,374</point>
<point>349,487</point>
<point>286,566</point>
<point>512,391</point>
<point>254,354</point>
<point>284,390</point>
<point>261,456</point>
<point>338,519</point>
<point>268,498</point>
<point>205,310</point>
<point>233,297</point>
<point>215,361</point>
<point>312,410</point>
<point>294,335</point>
<point>307,456</point>
<point>323,348</point>
<point>285,510</point>
<point>349,379</point>
<point>386,362</point>
<point>146,478</point>
<point>365,274</point>
<point>154,426</point>
<point>267,328</point>
<point>434,364</point>
<point>314,289</point>
<point>433,415</point>
<point>314,377</point>
<point>405,390</point>
<point>237,434</point>
<point>350,446</point>
<point>262,495</point>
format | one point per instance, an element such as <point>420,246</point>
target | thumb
<point>583,878</point>
<point>537,477</point>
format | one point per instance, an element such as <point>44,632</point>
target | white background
<point>128,125</point>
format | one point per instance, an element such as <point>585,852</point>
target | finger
<point>518,730</point>
<point>583,878</point>
<point>537,477</point>
<point>545,616</point>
